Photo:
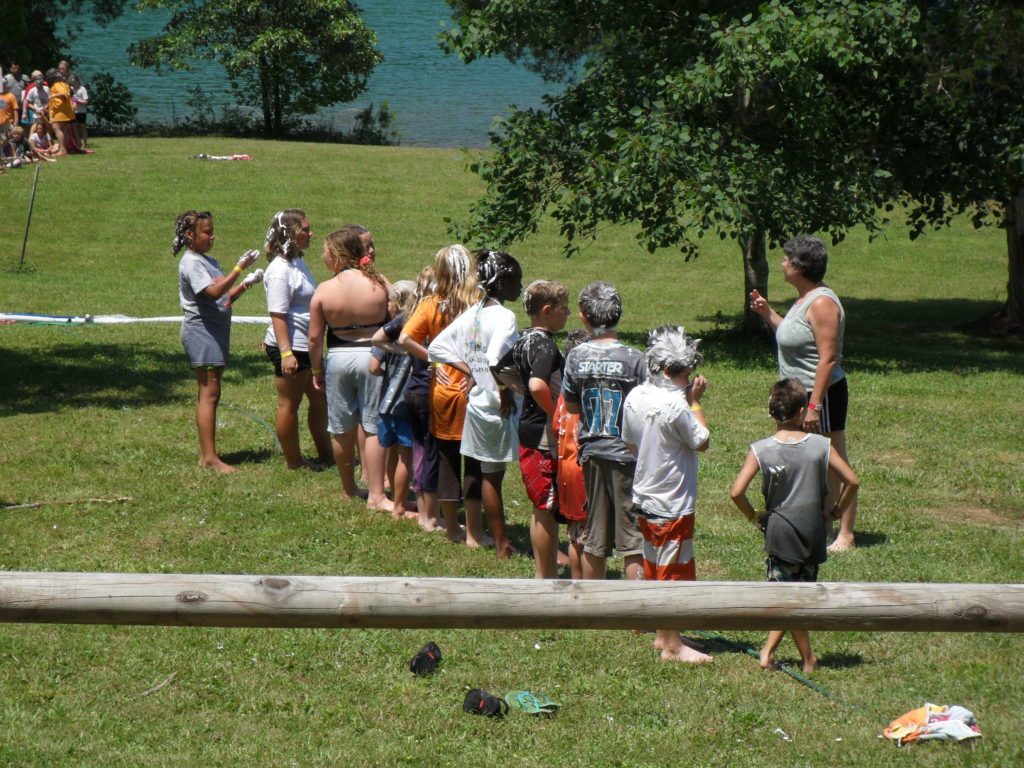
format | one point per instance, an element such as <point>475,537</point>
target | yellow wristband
<point>287,353</point>
<point>696,407</point>
<point>317,371</point>
<point>237,269</point>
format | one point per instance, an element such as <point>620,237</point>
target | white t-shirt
<point>81,95</point>
<point>480,337</point>
<point>290,287</point>
<point>659,422</point>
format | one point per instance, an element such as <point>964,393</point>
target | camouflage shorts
<point>780,570</point>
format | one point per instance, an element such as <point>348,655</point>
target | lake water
<point>437,100</point>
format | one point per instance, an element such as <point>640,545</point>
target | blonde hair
<point>541,293</point>
<point>457,286</point>
<point>403,293</point>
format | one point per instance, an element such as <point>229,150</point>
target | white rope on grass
<point>7,318</point>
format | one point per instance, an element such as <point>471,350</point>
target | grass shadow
<point>867,539</point>
<point>261,456</point>
<point>114,376</point>
<point>840,660</point>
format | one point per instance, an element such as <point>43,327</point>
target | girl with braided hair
<point>473,344</point>
<point>345,312</point>
<point>290,286</point>
<point>206,295</point>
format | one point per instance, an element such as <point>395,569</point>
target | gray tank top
<point>798,354</point>
<point>795,484</point>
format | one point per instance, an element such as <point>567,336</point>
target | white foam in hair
<point>456,257</point>
<point>668,347</point>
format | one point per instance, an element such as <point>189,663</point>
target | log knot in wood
<point>191,597</point>
<point>275,582</point>
<point>978,614</point>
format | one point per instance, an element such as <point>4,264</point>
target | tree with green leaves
<point>284,57</point>
<point>744,119</point>
<point>36,33</point>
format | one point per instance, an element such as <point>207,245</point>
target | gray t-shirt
<point>798,351</point>
<point>795,484</point>
<point>598,376</point>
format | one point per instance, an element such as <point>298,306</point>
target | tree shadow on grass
<point>840,660</point>
<point>882,336</point>
<point>112,376</point>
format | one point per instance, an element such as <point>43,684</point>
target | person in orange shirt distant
<point>62,111</point>
<point>8,109</point>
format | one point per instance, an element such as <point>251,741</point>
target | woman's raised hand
<point>256,276</point>
<point>248,259</point>
<point>759,303</point>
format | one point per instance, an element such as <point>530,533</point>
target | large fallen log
<point>331,601</point>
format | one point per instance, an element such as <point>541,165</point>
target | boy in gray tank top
<point>794,466</point>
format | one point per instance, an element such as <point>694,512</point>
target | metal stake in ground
<point>28,221</point>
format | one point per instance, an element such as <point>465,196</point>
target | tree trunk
<point>755,276</point>
<point>1013,314</point>
<point>265,97</point>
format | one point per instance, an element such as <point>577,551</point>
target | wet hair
<point>670,351</point>
<point>808,255</point>
<point>185,223</point>
<point>74,81</point>
<point>347,251</point>
<point>403,293</point>
<point>541,293</point>
<point>457,286</point>
<point>574,338</point>
<point>787,399</point>
<point>493,268</point>
<point>601,304</point>
<point>280,237</point>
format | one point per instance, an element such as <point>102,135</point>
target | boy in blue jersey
<point>598,376</point>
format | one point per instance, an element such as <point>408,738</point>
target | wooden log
<point>330,601</point>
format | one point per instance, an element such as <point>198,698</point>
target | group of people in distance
<point>438,390</point>
<point>41,118</point>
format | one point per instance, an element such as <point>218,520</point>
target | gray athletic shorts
<point>352,393</point>
<point>611,513</point>
<point>207,342</point>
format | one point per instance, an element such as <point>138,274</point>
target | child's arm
<point>382,341</point>
<point>850,485</point>
<point>223,284</point>
<point>315,337</point>
<point>738,493</point>
<point>376,367</point>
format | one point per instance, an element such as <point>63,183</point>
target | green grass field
<point>106,411</point>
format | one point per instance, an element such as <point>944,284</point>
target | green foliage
<point>285,57</point>
<point>35,33</point>
<point>111,101</point>
<point>750,119</point>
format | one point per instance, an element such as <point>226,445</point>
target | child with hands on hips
<point>206,295</point>
<point>794,466</point>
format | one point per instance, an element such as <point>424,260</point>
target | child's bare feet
<point>809,665</point>
<point>218,465</point>
<point>506,551</point>
<point>842,543</point>
<point>430,524</point>
<point>382,504</point>
<point>312,466</point>
<point>457,536</point>
<point>685,654</point>
<point>767,659</point>
<point>478,540</point>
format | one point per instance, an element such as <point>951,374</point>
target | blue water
<point>437,100</point>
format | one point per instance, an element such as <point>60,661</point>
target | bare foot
<point>505,552</point>
<point>457,536</point>
<point>809,665</point>
<point>383,504</point>
<point>841,544</point>
<point>767,659</point>
<point>430,524</point>
<point>219,466</point>
<point>561,558</point>
<point>481,540</point>
<point>686,654</point>
<point>659,643</point>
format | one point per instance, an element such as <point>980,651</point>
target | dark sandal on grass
<point>481,702</point>
<point>426,661</point>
